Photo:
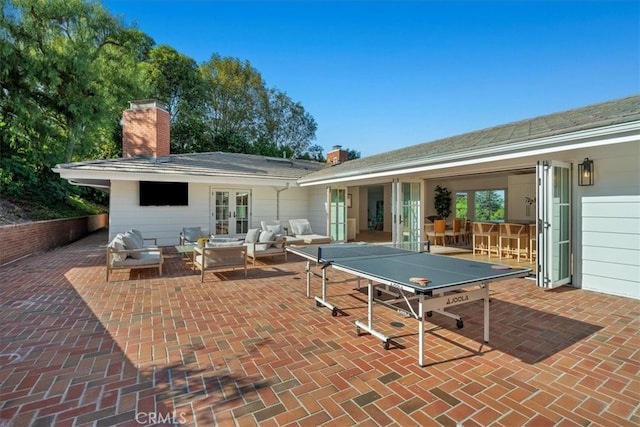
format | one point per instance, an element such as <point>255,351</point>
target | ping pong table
<point>435,282</point>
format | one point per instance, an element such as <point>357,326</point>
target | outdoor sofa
<point>301,231</point>
<point>129,251</point>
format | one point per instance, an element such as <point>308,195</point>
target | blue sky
<point>383,75</point>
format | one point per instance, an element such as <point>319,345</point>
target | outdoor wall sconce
<point>585,172</point>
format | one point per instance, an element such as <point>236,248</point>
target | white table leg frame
<point>369,326</point>
<point>320,301</point>
<point>428,305</point>
<point>323,301</point>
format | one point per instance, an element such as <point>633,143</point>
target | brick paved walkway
<point>76,350</point>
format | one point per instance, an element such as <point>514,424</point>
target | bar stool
<point>510,233</point>
<point>484,232</point>
<point>533,242</point>
<point>456,233</point>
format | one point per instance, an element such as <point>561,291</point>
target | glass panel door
<point>338,214</point>
<point>411,235</point>
<point>242,212</point>
<point>230,212</point>
<point>405,209</point>
<point>554,224</point>
<point>221,213</point>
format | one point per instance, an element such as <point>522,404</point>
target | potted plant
<point>442,202</point>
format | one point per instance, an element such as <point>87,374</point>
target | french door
<point>554,224</point>
<point>230,212</point>
<point>407,224</point>
<point>338,214</point>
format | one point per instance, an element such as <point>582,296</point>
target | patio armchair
<point>220,256</point>
<point>261,243</point>
<point>191,235</point>
<point>127,251</point>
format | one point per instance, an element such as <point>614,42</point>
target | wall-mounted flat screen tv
<point>154,193</point>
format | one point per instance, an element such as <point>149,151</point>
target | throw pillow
<point>262,246</point>
<point>118,245</point>
<point>252,235</point>
<point>279,243</point>
<point>138,236</point>
<point>305,228</point>
<point>276,229</point>
<point>131,242</point>
<point>267,236</point>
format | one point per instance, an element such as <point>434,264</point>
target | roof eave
<point>582,139</point>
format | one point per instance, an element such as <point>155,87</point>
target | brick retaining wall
<point>18,240</point>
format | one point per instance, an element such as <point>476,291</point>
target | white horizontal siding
<point>619,223</point>
<point>609,240</point>
<point>268,205</point>
<point>166,222</point>
<point>162,222</point>
<point>611,244</point>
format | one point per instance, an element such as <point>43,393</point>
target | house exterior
<point>588,235</point>
<point>224,193</point>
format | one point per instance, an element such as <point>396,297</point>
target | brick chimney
<point>146,129</point>
<point>337,155</point>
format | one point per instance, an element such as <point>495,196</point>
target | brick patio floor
<point>76,350</point>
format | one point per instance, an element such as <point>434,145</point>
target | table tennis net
<point>346,251</point>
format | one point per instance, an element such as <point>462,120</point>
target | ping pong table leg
<point>324,284</point>
<point>486,312</point>
<point>369,326</point>
<point>308,279</point>
<point>370,304</point>
<point>421,331</point>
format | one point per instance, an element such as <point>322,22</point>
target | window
<point>461,205</point>
<point>482,205</point>
<point>164,193</point>
<point>489,205</point>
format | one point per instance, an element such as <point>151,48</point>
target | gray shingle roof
<point>590,117</point>
<point>203,164</point>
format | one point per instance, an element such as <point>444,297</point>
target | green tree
<point>353,154</point>
<point>489,205</point>
<point>286,123</point>
<point>176,80</point>
<point>234,92</point>
<point>64,67</point>
<point>243,114</point>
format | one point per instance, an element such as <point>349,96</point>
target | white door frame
<point>554,240</point>
<point>231,213</point>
